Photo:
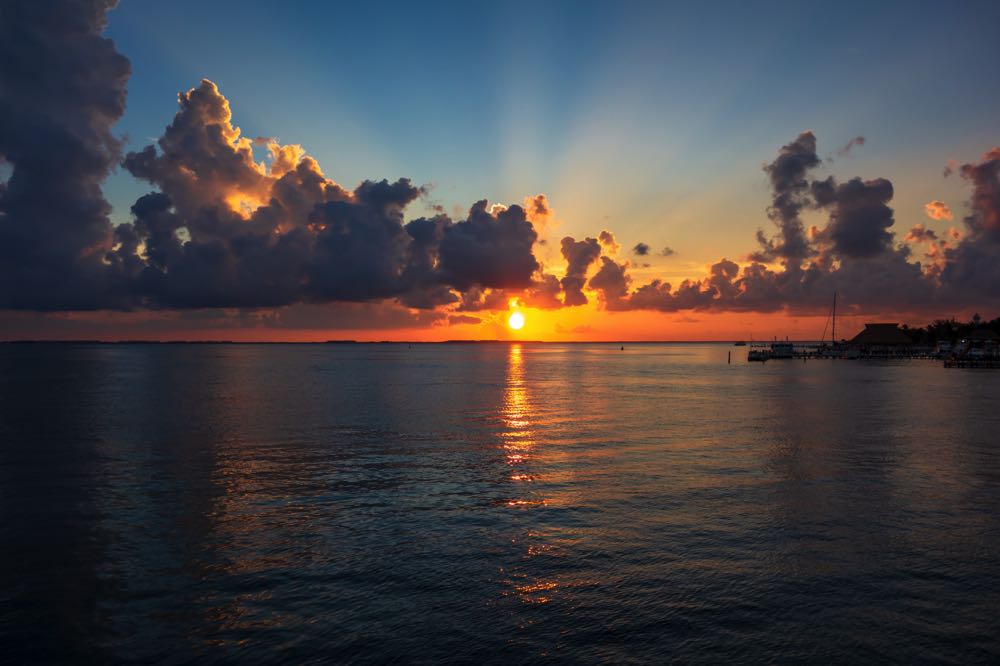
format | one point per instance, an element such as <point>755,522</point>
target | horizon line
<point>95,341</point>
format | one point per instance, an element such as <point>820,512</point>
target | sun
<point>516,321</point>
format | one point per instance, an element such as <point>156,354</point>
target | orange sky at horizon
<point>578,324</point>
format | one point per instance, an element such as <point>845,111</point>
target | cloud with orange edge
<point>938,210</point>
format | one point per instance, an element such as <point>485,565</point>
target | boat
<point>739,343</point>
<point>758,354</point>
<point>782,349</point>
<point>834,350</point>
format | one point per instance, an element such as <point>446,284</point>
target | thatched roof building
<point>881,335</point>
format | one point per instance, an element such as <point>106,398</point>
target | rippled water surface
<point>500,503</point>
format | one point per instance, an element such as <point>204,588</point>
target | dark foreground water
<point>522,503</point>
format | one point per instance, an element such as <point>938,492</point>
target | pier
<point>986,363</point>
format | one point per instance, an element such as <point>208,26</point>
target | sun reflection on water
<point>518,436</point>
<point>520,445</point>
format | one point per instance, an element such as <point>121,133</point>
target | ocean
<point>494,503</point>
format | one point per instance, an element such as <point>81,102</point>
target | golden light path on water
<point>518,436</point>
<point>520,444</point>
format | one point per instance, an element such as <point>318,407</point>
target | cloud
<point>63,90</point>
<point>539,212</point>
<point>607,239</point>
<point>490,250</point>
<point>920,234</point>
<point>846,148</point>
<point>985,179</point>
<point>476,299</point>
<point>971,267</point>
<point>223,230</point>
<point>270,235</point>
<point>938,210</point>
<point>859,215</point>
<point>579,255</point>
<point>611,283</point>
<point>454,320</point>
<point>667,251</point>
<point>853,254</point>
<point>790,186</point>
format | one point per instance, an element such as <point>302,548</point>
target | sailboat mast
<point>833,335</point>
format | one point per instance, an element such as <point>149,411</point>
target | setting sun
<point>516,321</point>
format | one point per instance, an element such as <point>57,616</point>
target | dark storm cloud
<point>611,283</point>
<point>490,250</point>
<point>223,230</point>
<point>985,179</point>
<point>787,174</point>
<point>62,87</point>
<point>971,268</point>
<point>579,255</point>
<point>853,254</point>
<point>283,234</point>
<point>860,217</point>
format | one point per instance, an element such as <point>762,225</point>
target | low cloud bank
<point>223,228</point>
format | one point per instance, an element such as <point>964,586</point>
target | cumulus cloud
<point>223,230</point>
<point>920,234</point>
<point>539,212</point>
<point>790,186</point>
<point>860,217</point>
<point>853,254</point>
<point>63,88</point>
<point>490,250</point>
<point>985,204</point>
<point>938,210</point>
<point>285,233</point>
<point>971,267</point>
<point>579,255</point>
<point>607,240</point>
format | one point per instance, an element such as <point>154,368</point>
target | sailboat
<point>834,350</point>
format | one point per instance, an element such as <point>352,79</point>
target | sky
<point>677,130</point>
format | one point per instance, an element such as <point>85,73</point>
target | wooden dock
<point>987,363</point>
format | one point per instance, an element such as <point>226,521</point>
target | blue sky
<point>649,119</point>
